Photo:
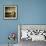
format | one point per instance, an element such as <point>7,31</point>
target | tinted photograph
<point>10,12</point>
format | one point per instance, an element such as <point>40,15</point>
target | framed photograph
<point>10,12</point>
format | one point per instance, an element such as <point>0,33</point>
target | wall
<point>7,26</point>
<point>33,12</point>
<point>29,12</point>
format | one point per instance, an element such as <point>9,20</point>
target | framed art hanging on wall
<point>10,12</point>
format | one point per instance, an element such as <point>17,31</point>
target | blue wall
<point>33,12</point>
<point>29,12</point>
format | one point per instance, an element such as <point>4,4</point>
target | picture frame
<point>10,12</point>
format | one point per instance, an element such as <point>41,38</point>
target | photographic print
<point>10,12</point>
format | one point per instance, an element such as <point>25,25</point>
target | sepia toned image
<point>10,12</point>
